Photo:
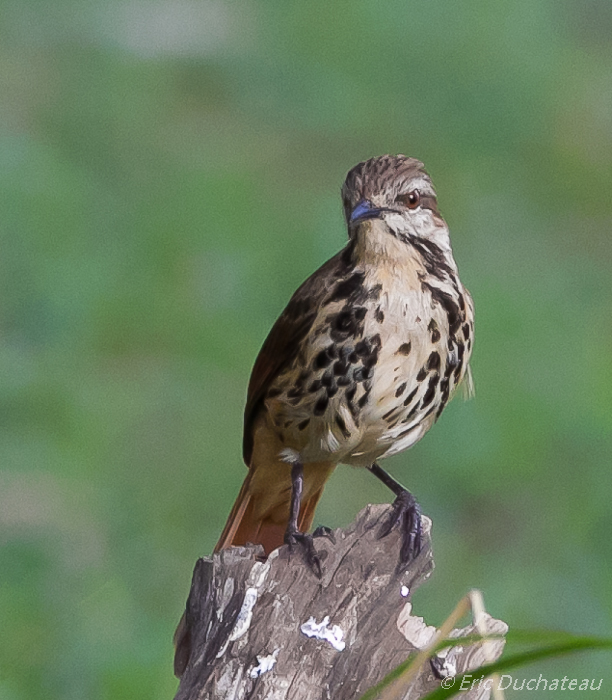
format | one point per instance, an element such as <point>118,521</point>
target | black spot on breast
<point>323,358</point>
<point>445,392</point>
<point>343,322</point>
<point>433,258</point>
<point>348,323</point>
<point>320,406</point>
<point>303,424</point>
<point>428,396</point>
<point>364,399</point>
<point>461,302</point>
<point>345,288</point>
<point>340,368</point>
<point>410,396</point>
<point>327,378</point>
<point>354,291</point>
<point>433,362</point>
<point>421,375</point>
<point>367,349</point>
<point>466,330</point>
<point>404,349</point>
<point>332,391</point>
<point>449,305</point>
<point>362,373</point>
<point>350,393</point>
<point>388,413</point>
<point>460,353</point>
<point>445,389</point>
<point>295,393</point>
<point>371,359</point>
<point>400,390</point>
<point>342,425</point>
<point>362,349</point>
<point>434,330</point>
<point>345,351</point>
<point>379,315</point>
<point>315,386</point>
<point>343,380</point>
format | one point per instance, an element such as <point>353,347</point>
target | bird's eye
<point>411,200</point>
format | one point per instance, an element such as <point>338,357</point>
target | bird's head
<point>397,191</point>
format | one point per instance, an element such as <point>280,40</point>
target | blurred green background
<point>170,173</point>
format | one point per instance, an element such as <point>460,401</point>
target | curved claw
<point>295,537</point>
<point>323,531</point>
<point>407,514</point>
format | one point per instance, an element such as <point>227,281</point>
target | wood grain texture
<point>241,608</point>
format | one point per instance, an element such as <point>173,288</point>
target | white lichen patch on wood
<point>264,664</point>
<point>243,621</point>
<point>226,596</point>
<point>321,630</point>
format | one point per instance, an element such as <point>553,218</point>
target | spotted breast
<point>388,345</point>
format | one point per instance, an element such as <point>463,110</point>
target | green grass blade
<point>523,659</point>
<point>566,643</point>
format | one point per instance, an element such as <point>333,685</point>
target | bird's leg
<point>293,535</point>
<point>406,513</point>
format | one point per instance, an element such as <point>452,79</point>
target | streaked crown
<point>397,190</point>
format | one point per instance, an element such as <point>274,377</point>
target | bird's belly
<point>354,398</point>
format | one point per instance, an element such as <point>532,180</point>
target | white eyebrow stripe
<point>420,183</point>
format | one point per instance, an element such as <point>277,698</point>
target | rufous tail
<point>247,525</point>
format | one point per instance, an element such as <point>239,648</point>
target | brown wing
<point>284,340</point>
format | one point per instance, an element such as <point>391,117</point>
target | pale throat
<point>376,248</point>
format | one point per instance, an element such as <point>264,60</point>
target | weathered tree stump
<point>270,629</point>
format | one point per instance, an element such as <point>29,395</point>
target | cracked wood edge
<point>242,609</point>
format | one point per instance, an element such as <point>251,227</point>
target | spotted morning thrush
<point>359,365</point>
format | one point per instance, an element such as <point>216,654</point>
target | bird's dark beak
<point>365,210</point>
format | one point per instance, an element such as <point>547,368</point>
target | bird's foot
<point>407,514</point>
<point>294,537</point>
